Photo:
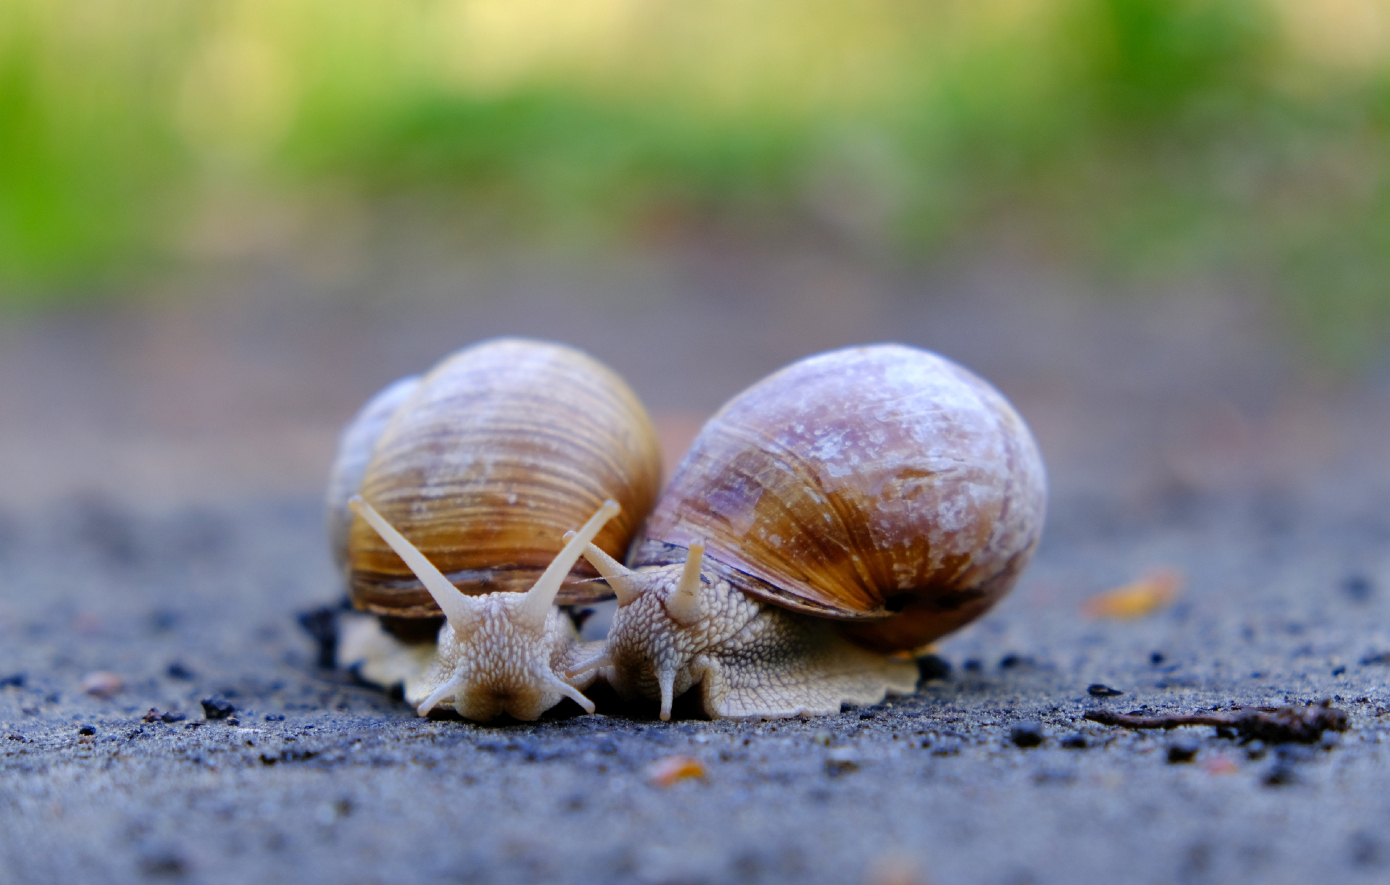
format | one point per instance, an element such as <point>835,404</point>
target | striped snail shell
<point>484,463</point>
<point>481,466</point>
<point>853,506</point>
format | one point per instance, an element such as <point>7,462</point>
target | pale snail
<point>482,465</point>
<point>835,516</point>
<point>826,522</point>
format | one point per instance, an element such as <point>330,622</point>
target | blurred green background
<point>1134,139</point>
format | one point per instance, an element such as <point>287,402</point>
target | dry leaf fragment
<point>1220,765</point>
<point>1135,600</point>
<point>895,870</point>
<point>101,683</point>
<point>665,772</point>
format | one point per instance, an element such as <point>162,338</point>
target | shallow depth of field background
<point>1123,140</point>
<point>1160,227</point>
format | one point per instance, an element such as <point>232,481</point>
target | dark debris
<point>217,708</point>
<point>1273,725</point>
<point>178,670</point>
<point>931,668</point>
<point>1026,734</point>
<point>1182,750</point>
<point>322,625</point>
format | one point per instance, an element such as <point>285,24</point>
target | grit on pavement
<point>161,530</point>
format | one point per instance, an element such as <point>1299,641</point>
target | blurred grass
<point>1140,137</point>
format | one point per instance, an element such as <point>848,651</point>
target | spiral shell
<point>484,464</point>
<point>884,486</point>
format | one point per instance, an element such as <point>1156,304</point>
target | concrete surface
<point>160,521</point>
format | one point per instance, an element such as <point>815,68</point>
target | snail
<point>826,522</point>
<point>450,495</point>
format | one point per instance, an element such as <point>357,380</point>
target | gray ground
<point>160,520</point>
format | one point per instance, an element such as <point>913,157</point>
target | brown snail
<point>827,521</point>
<point>450,496</point>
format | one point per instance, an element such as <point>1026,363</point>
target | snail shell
<point>472,474</point>
<point>483,464</point>
<point>853,506</point>
<point>883,485</point>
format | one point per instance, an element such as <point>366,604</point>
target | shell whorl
<point>490,459</point>
<point>883,485</point>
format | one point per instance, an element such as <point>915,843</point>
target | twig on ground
<point>1273,725</point>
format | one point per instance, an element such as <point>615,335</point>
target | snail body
<point>830,519</point>
<point>449,498</point>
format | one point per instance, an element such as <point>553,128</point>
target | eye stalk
<point>496,652</point>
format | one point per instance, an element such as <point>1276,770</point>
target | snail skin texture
<point>451,495</point>
<point>826,522</point>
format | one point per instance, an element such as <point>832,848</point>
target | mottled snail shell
<point>884,486</point>
<point>484,463</point>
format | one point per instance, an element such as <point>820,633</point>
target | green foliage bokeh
<point>1138,136</point>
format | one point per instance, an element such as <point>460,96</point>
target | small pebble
<point>216,708</point>
<point>1358,587</point>
<point>177,670</point>
<point>841,760</point>
<point>1279,775</point>
<point>574,802</point>
<point>322,624</point>
<point>1182,750</point>
<point>164,865</point>
<point>14,680</point>
<point>1097,690</point>
<point>1012,661</point>
<point>1026,734</point>
<point>101,683</point>
<point>931,668</point>
<point>274,717</point>
<point>1156,658</point>
<point>86,731</point>
<point>667,771</point>
<point>1075,742</point>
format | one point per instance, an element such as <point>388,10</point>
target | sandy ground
<point>160,521</point>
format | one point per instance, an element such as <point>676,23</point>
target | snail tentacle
<point>568,691</point>
<point>617,575</point>
<point>666,680</point>
<point>505,651</point>
<point>443,692</point>
<point>598,662</point>
<point>684,604</point>
<point>539,600</point>
<point>457,608</point>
